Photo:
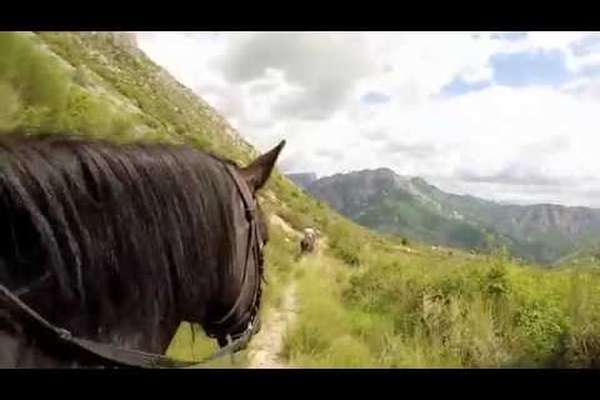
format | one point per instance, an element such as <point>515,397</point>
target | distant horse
<point>118,244</point>
<point>308,242</point>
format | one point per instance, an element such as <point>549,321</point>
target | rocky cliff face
<point>124,40</point>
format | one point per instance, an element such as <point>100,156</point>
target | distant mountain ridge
<point>303,179</point>
<point>411,207</point>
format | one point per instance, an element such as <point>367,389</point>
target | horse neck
<point>151,332</point>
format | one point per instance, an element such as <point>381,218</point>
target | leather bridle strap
<point>253,237</point>
<point>119,355</point>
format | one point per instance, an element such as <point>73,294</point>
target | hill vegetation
<point>382,200</point>
<point>366,299</point>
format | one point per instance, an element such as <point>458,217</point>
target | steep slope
<point>385,201</point>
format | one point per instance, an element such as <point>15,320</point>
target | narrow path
<point>266,347</point>
<point>287,228</point>
<point>268,343</point>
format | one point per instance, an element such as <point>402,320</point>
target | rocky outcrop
<point>125,40</point>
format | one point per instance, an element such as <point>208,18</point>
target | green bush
<point>543,325</point>
<point>10,107</point>
<point>39,78</point>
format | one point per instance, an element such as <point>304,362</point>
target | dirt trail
<point>268,343</point>
<point>287,228</point>
<point>266,347</point>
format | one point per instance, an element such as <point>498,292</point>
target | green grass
<point>399,310</point>
<point>322,337</point>
<point>39,92</point>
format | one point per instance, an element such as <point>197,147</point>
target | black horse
<point>119,244</point>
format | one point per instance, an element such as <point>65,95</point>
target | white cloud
<point>307,88</point>
<point>322,67</point>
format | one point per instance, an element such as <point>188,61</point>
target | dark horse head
<point>121,243</point>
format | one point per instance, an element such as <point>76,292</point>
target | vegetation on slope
<point>441,310</point>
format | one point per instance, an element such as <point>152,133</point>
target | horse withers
<point>118,244</point>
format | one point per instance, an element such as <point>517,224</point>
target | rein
<point>118,355</point>
<point>140,359</point>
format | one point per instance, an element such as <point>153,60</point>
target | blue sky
<point>375,98</point>
<point>530,68</point>
<point>504,115</point>
<point>459,87</point>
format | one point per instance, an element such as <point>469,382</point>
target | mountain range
<point>411,207</point>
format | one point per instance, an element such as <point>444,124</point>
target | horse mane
<point>115,226</point>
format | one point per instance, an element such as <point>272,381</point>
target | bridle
<point>254,251</point>
<point>219,329</point>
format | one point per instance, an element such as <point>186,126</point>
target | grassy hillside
<point>411,219</point>
<point>367,299</point>
<point>400,310</point>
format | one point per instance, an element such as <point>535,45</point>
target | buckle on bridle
<point>250,213</point>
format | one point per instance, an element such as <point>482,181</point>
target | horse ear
<point>258,172</point>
